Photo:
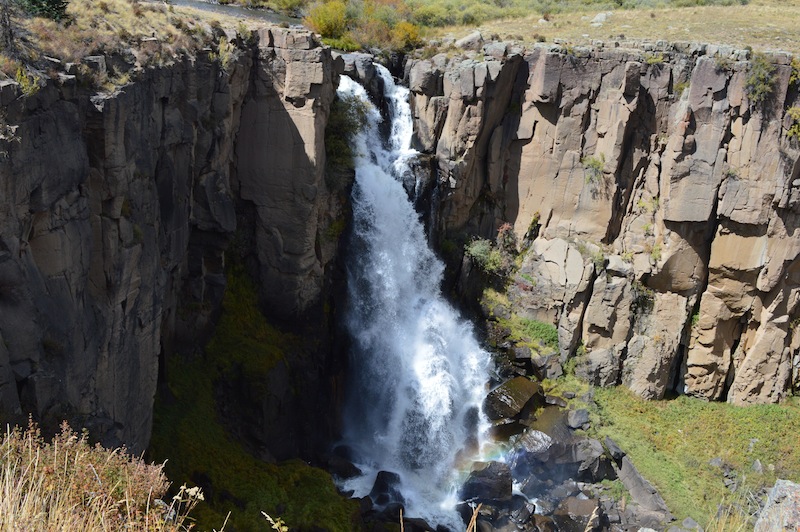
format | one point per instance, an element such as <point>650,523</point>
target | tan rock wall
<point>654,163</point>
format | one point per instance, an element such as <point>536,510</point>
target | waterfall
<point>418,374</point>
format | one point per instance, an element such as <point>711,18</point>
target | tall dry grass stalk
<point>68,484</point>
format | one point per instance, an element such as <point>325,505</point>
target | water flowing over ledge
<point>418,372</point>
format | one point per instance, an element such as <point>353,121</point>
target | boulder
<point>782,511</point>
<point>614,450</point>
<point>534,442</point>
<point>488,480</point>
<point>473,41</point>
<point>578,419</point>
<point>600,367</point>
<point>386,489</point>
<point>508,399</point>
<point>587,514</point>
<point>642,492</point>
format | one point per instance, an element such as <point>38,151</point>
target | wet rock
<point>341,467</point>
<point>386,489</point>
<point>554,400</point>
<point>534,442</point>
<point>508,399</point>
<point>488,480</point>
<point>579,515</point>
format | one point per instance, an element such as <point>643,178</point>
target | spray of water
<point>418,373</point>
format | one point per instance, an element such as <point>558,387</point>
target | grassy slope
<point>672,442</point>
<point>762,24</point>
<point>188,434</point>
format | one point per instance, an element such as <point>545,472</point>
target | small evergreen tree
<point>53,9</point>
<point>7,26</point>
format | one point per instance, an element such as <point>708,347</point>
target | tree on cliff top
<point>8,27</point>
<point>53,9</point>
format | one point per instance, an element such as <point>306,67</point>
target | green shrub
<point>760,82</point>
<point>328,19</point>
<point>593,167</point>
<point>794,115</point>
<point>794,77</point>
<point>405,36</point>
<point>483,253</point>
<point>28,84</point>
<point>433,15</point>
<point>226,54</point>
<point>52,9</point>
<point>347,116</point>
<point>722,64</point>
<point>478,13</point>
<point>643,298</point>
<point>655,59</point>
<point>345,44</point>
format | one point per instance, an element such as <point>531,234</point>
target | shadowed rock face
<point>646,189</point>
<point>116,212</point>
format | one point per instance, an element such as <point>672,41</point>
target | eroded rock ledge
<point>657,204</point>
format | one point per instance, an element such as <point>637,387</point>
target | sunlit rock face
<point>656,203</point>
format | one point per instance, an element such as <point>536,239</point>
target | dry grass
<point>67,484</point>
<point>139,34</point>
<point>152,32</point>
<point>762,24</point>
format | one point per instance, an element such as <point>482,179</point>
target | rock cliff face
<point>655,201</point>
<point>116,211</point>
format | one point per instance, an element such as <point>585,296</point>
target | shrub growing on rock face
<point>760,82</point>
<point>485,255</point>
<point>794,117</point>
<point>593,166</point>
<point>347,116</point>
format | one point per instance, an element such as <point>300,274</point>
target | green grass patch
<point>671,443</point>
<point>535,334</point>
<point>188,434</point>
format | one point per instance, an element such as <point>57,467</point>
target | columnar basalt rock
<point>677,189</point>
<point>117,209</point>
<point>281,162</point>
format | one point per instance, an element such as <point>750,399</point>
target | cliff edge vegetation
<point>38,46</point>
<point>68,484</point>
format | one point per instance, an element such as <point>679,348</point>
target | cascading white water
<point>418,374</point>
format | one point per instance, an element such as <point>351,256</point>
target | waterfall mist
<point>417,375</point>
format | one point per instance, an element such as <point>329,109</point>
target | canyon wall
<point>656,207</point>
<point>117,209</point>
<point>656,204</point>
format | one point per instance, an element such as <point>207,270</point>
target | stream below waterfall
<point>418,373</point>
